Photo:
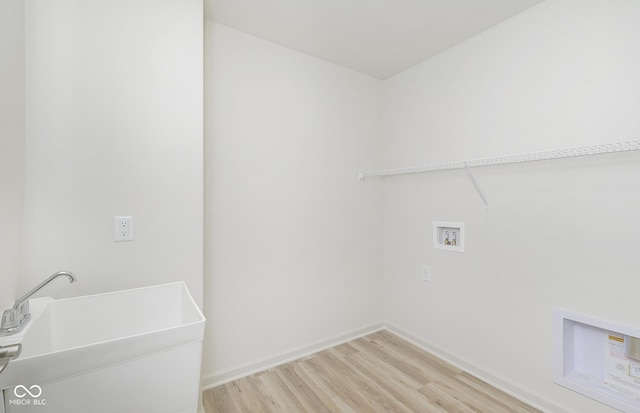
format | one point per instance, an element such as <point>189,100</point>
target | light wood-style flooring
<point>376,373</point>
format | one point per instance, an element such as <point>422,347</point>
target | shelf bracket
<point>475,184</point>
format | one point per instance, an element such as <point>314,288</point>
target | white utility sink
<point>133,350</point>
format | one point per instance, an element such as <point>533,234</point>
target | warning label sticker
<point>622,374</point>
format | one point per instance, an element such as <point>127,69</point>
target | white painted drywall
<point>11,146</point>
<point>114,127</point>
<point>293,239</point>
<point>557,233</point>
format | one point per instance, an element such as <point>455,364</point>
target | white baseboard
<point>222,377</point>
<point>481,373</point>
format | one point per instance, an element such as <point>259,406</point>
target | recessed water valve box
<point>448,236</point>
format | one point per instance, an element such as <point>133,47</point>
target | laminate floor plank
<point>415,353</point>
<point>218,400</point>
<point>384,369</point>
<point>307,396</point>
<point>420,372</point>
<point>236,397</point>
<point>278,395</point>
<point>321,387</point>
<point>511,403</point>
<point>375,387</point>
<point>377,373</point>
<point>339,387</point>
<point>440,396</point>
<point>404,393</point>
<point>379,400</point>
<point>345,349</point>
<point>250,398</point>
<point>477,400</point>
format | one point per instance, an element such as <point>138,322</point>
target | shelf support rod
<point>475,184</point>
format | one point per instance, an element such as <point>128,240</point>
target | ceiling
<point>377,37</point>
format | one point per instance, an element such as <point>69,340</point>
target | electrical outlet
<point>123,228</point>
<point>426,273</point>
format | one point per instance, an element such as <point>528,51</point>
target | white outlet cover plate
<point>426,272</point>
<point>123,228</point>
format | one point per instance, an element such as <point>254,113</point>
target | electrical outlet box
<point>425,273</point>
<point>123,228</point>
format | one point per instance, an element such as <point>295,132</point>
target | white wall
<point>293,239</point>
<point>11,146</point>
<point>113,127</point>
<point>557,233</point>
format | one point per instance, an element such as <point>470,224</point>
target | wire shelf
<point>503,160</point>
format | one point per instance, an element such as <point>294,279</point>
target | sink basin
<point>72,337</point>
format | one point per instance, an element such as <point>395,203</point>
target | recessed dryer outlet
<point>592,357</point>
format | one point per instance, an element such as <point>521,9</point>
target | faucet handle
<point>10,318</point>
<point>23,308</point>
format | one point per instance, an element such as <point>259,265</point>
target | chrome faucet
<point>14,319</point>
<point>8,353</point>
